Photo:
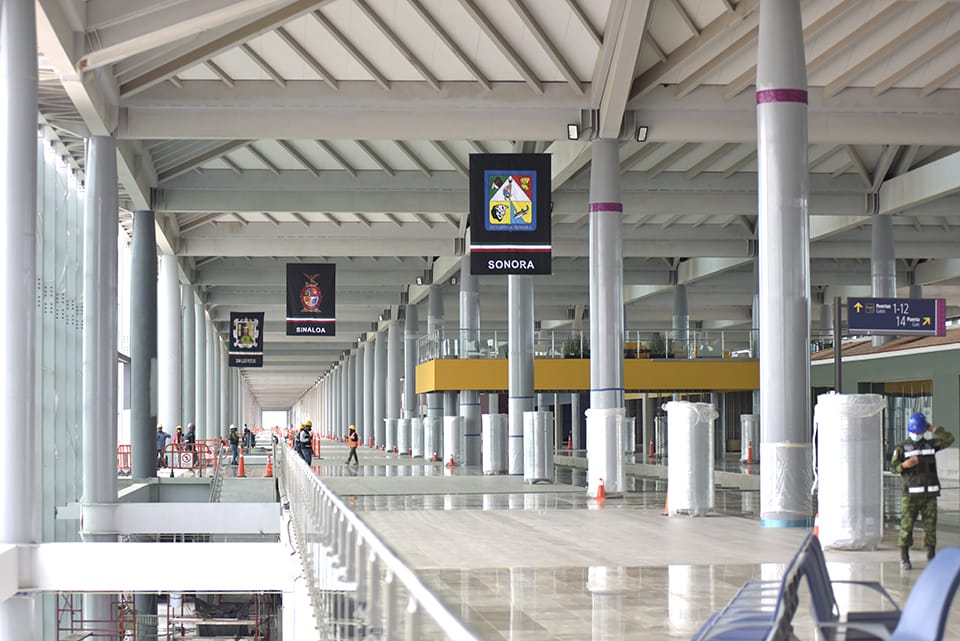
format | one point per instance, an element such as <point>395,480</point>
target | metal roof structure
<point>263,132</point>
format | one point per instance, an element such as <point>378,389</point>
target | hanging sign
<point>246,339</point>
<point>905,316</point>
<point>311,297</point>
<point>510,214</point>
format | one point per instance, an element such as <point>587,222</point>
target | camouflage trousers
<point>910,507</point>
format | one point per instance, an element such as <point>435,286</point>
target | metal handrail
<point>567,343</point>
<point>366,563</point>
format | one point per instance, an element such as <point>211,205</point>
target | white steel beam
<point>398,44</point>
<point>932,181</point>
<point>219,45</point>
<point>937,271</point>
<point>545,43</point>
<point>934,51</point>
<point>454,48</point>
<point>746,10</point>
<point>352,49</point>
<point>254,109</point>
<point>132,567</point>
<point>515,60</point>
<point>173,26</point>
<point>174,518</point>
<point>617,77</point>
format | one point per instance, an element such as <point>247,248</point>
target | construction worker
<point>914,459</point>
<point>234,445</point>
<point>353,441</point>
<point>162,438</point>
<point>305,439</point>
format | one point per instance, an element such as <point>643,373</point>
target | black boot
<point>931,551</point>
<point>905,559</point>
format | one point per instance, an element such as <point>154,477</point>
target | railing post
<point>411,631</point>
<point>389,607</point>
<point>350,547</point>
<point>373,587</point>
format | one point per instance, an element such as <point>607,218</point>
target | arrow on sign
<point>926,320</point>
<point>857,306</point>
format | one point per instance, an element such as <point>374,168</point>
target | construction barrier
<point>124,459</point>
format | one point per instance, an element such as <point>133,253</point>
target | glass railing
<point>565,343</point>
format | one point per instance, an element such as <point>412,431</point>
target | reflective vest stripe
<point>923,490</point>
<point>927,452</point>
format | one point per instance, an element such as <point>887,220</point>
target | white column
<point>168,344</point>
<point>204,430</point>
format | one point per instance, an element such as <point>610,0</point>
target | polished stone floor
<point>522,562</point>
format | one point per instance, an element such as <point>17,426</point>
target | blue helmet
<point>917,423</point>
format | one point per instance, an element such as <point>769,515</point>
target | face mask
<point>928,435</point>
<point>915,437</point>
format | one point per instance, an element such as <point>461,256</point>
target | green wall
<point>940,365</point>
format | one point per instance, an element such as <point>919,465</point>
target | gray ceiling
<point>268,131</point>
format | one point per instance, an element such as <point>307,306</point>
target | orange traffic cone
<point>816,525</point>
<point>666,504</point>
<point>749,452</point>
<point>269,471</point>
<point>241,470</point>
<point>436,459</point>
<point>601,491</point>
<point>450,463</point>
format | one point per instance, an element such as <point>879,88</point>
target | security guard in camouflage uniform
<point>915,461</point>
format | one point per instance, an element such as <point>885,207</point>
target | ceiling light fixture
<point>642,134</point>
<point>419,280</point>
<point>453,280</point>
<point>573,131</point>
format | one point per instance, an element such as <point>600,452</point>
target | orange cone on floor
<point>269,471</point>
<point>652,450</point>
<point>450,463</point>
<point>816,525</point>
<point>436,459</point>
<point>749,452</point>
<point>601,491</point>
<point>241,470</point>
<point>666,504</point>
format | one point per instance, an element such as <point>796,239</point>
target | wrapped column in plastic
<point>749,434</point>
<point>848,430</point>
<point>453,439</point>
<point>538,446</point>
<point>493,437</point>
<point>432,433</point>
<point>690,472</point>
<point>391,433</point>
<point>630,434</point>
<point>605,434</point>
<point>403,436</point>
<point>416,437</point>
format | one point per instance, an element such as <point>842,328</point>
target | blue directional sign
<point>907,316</point>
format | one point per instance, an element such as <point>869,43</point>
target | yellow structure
<point>564,374</point>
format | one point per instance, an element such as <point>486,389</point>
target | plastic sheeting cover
<point>416,442</point>
<point>432,434</point>
<point>749,434</point>
<point>493,437</point>
<point>848,435</point>
<point>605,450</point>
<point>690,453</point>
<point>453,439</point>
<point>538,446</point>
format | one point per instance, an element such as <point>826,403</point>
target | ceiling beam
<point>210,49</point>
<point>352,49</point>
<point>175,26</point>
<point>933,181</point>
<point>454,48</point>
<point>496,37</point>
<point>308,58</point>
<point>616,76</point>
<point>648,80</point>
<point>263,64</point>
<point>200,159</point>
<point>398,44</point>
<point>254,109</point>
<point>547,45</point>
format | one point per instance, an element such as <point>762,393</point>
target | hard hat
<point>353,428</point>
<point>917,423</point>
<point>309,423</point>
<point>179,428</point>
<point>159,426</point>
<point>232,426</point>
<point>189,425</point>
